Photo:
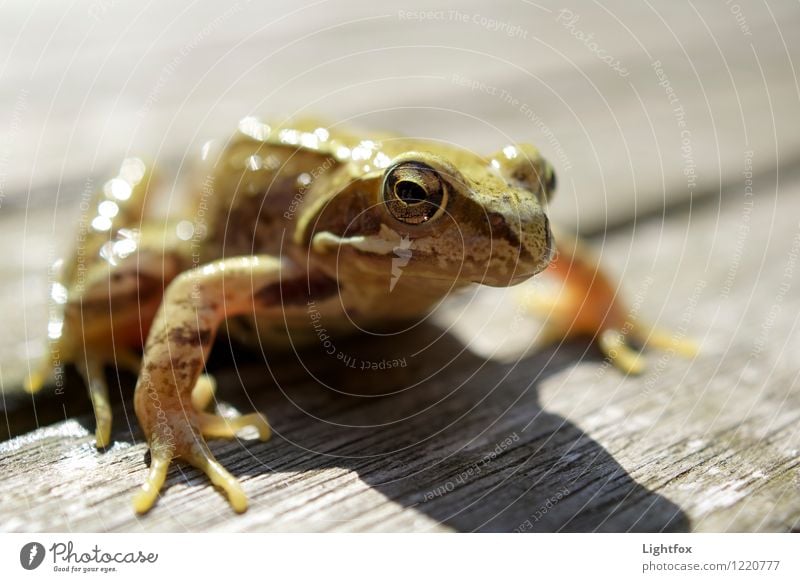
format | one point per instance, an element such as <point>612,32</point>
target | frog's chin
<point>519,275</point>
<point>522,278</point>
<point>515,279</point>
<point>485,278</point>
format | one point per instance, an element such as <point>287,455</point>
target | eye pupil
<point>410,192</point>
<point>413,192</point>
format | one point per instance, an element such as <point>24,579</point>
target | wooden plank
<point>484,438</point>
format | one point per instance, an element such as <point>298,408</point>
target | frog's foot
<point>91,370</point>
<point>182,436</point>
<point>588,305</point>
<point>187,444</point>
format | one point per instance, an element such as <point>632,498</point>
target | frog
<point>372,229</point>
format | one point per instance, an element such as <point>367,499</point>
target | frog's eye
<point>414,192</point>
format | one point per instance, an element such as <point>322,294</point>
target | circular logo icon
<point>31,555</point>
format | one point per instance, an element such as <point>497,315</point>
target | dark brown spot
<point>298,291</point>
<point>190,337</point>
<point>352,213</point>
<point>501,230</point>
<point>147,288</point>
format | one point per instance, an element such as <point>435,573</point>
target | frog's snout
<point>522,244</point>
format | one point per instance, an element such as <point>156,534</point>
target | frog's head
<point>437,212</point>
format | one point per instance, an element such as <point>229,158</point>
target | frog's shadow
<point>446,433</point>
<point>452,435</point>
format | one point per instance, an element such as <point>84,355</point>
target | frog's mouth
<point>549,251</point>
<point>512,260</point>
<point>509,265</point>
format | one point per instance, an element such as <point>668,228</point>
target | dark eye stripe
<point>552,182</point>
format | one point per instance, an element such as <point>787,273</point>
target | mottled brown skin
<point>373,229</point>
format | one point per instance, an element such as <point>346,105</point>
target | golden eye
<point>413,192</point>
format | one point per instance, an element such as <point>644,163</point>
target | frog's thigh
<point>92,279</point>
<point>183,331</point>
<point>103,322</point>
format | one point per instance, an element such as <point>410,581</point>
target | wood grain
<point>488,438</point>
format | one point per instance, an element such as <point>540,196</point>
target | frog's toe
<point>146,497</point>
<point>203,392</point>
<point>663,340</point>
<point>180,438</point>
<point>201,457</point>
<point>36,378</point>
<point>213,425</point>
<point>198,454</point>
<point>92,372</point>
<point>612,344</point>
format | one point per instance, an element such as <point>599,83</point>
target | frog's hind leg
<point>117,206</point>
<point>171,395</point>
<point>588,304</point>
<point>104,297</point>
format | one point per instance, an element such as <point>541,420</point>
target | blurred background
<point>673,127</point>
<point>640,107</point>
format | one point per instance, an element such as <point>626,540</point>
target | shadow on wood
<point>452,435</point>
<point>445,433</point>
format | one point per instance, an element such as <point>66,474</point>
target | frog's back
<point>251,197</point>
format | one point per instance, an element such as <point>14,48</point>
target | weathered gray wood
<point>709,444</point>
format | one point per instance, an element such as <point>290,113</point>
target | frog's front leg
<point>589,304</point>
<point>169,401</point>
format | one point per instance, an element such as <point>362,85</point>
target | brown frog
<point>373,229</point>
